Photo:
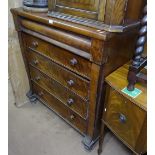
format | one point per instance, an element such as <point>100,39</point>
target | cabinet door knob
<point>35,62</point>
<point>34,44</point>
<point>73,62</point>
<point>41,93</point>
<point>122,118</point>
<point>70,82</point>
<point>72,117</point>
<point>70,101</point>
<point>37,78</point>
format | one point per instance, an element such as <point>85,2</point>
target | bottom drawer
<point>60,108</point>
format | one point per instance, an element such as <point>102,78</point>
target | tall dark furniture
<point>69,52</point>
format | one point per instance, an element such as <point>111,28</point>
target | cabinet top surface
<point>69,26</point>
<point>103,33</point>
<point>118,81</point>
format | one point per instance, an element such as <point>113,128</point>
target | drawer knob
<point>37,78</point>
<point>35,62</point>
<point>70,102</point>
<point>41,94</point>
<point>70,82</point>
<point>72,117</point>
<point>34,44</point>
<point>73,62</point>
<point>122,118</point>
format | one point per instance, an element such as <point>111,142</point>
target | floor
<point>35,130</point>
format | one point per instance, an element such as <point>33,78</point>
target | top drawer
<point>59,55</point>
<point>71,39</point>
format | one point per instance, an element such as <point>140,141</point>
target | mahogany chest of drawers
<point>67,63</point>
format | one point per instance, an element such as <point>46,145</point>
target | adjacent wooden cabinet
<point>125,116</point>
<point>67,63</point>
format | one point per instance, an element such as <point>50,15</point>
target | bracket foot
<point>32,97</point>
<point>89,143</point>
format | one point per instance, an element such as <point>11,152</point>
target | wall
<point>17,73</point>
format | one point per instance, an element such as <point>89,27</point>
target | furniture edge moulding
<point>104,34</point>
<point>115,15</point>
<point>72,27</point>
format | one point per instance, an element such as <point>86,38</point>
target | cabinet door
<point>89,5</point>
<point>82,8</point>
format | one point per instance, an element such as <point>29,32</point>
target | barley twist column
<point>141,40</point>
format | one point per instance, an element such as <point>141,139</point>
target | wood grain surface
<point>66,96</point>
<point>118,80</point>
<point>118,106</point>
<point>56,54</point>
<point>53,103</point>
<point>44,53</point>
<point>78,84</point>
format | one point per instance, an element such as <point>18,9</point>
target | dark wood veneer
<point>69,98</point>
<point>76,58</point>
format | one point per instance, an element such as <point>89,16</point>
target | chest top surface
<point>58,23</point>
<point>118,81</point>
<point>92,28</point>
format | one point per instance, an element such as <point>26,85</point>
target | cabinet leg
<point>101,139</point>
<point>32,97</point>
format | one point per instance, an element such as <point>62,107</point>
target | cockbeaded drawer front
<point>68,79</point>
<point>66,37</point>
<point>60,108</point>
<point>63,57</point>
<point>70,99</point>
<point>124,118</point>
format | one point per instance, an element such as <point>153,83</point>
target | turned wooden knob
<point>72,117</point>
<point>70,101</point>
<point>122,118</point>
<point>70,82</point>
<point>41,93</point>
<point>34,44</point>
<point>36,62</point>
<point>37,78</point>
<point>73,62</point>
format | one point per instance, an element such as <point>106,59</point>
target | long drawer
<point>60,108</point>
<point>68,79</point>
<point>59,55</point>
<point>70,99</point>
<point>71,39</point>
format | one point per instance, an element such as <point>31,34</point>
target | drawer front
<point>60,108</point>
<point>69,38</point>
<point>59,55</point>
<point>66,96</point>
<point>124,117</point>
<point>68,79</point>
